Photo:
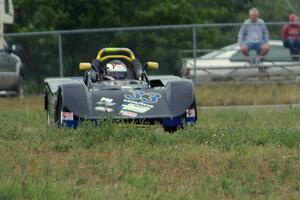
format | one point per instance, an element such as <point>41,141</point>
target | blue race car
<point>116,85</point>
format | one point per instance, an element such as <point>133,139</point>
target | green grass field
<point>226,155</point>
<point>241,94</point>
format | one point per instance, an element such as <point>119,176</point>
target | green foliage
<point>44,15</point>
<point>38,15</point>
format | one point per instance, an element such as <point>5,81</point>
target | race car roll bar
<point>102,58</point>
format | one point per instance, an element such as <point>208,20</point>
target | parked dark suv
<point>11,77</point>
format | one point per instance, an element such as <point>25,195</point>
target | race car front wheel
<point>58,112</point>
<point>170,129</point>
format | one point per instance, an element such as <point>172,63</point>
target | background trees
<point>41,56</point>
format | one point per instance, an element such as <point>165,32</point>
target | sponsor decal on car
<point>68,116</point>
<point>138,102</point>
<point>128,113</point>
<point>140,95</point>
<point>104,101</point>
<point>190,113</point>
<point>134,106</point>
<point>104,109</point>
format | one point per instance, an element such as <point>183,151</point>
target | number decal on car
<point>135,95</point>
<point>150,97</point>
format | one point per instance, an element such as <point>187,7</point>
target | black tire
<point>47,107</point>
<point>58,111</point>
<point>170,129</point>
<point>20,89</point>
<point>48,117</point>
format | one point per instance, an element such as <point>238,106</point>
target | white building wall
<point>5,17</point>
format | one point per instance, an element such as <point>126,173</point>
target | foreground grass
<point>227,155</point>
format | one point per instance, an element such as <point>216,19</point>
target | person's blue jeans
<point>293,45</point>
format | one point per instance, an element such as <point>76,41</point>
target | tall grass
<point>226,155</point>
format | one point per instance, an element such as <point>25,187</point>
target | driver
<point>115,70</point>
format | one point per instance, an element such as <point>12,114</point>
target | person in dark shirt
<point>291,36</point>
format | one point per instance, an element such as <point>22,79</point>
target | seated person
<point>115,70</point>
<point>291,36</point>
<point>254,35</point>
